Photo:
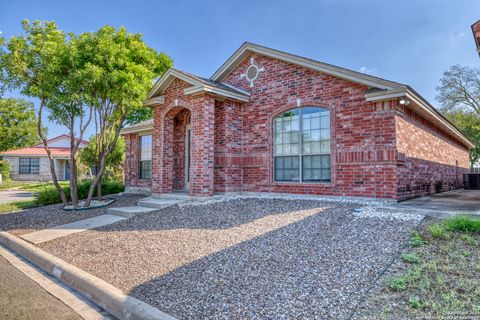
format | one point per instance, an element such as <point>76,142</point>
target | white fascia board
<point>385,95</point>
<point>216,91</point>
<point>154,101</point>
<point>167,77</point>
<point>136,129</point>
<point>304,62</point>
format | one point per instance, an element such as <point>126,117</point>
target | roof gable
<point>198,84</point>
<point>339,72</point>
<point>61,141</point>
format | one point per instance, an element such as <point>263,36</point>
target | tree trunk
<point>47,149</point>
<point>102,159</point>
<point>99,189</point>
<point>73,166</point>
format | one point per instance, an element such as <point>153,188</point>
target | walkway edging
<point>100,292</point>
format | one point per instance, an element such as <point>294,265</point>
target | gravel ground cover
<point>245,258</point>
<point>38,218</point>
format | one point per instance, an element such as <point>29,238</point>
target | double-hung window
<point>302,145</point>
<point>29,165</point>
<point>145,157</point>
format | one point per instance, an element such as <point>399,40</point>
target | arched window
<point>302,145</point>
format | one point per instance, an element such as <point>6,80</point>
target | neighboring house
<point>269,121</point>
<point>32,164</point>
<point>476,34</point>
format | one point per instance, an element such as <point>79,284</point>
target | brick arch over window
<point>302,146</point>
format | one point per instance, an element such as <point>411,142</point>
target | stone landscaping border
<point>109,202</point>
<point>108,297</point>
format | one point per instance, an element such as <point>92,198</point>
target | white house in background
<point>32,164</point>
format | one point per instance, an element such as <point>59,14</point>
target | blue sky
<point>412,42</point>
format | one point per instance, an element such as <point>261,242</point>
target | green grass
<point>438,275</point>
<point>463,223</point>
<point>15,206</point>
<point>29,185</point>
<point>410,258</point>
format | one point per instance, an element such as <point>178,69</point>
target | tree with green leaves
<point>32,63</point>
<point>113,162</point>
<point>18,124</point>
<point>97,78</point>
<point>459,96</point>
<point>123,68</point>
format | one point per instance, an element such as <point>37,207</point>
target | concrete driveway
<point>8,196</point>
<point>447,203</point>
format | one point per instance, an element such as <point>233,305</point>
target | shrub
<point>397,283</point>
<point>414,302</point>
<point>463,223</point>
<point>437,231</point>
<point>416,240</point>
<point>410,258</point>
<point>50,195</point>
<point>5,170</point>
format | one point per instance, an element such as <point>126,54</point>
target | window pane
<point>287,168</point>
<point>145,148</point>
<point>24,161</point>
<point>325,148</point>
<point>24,169</point>
<point>145,169</point>
<point>34,161</point>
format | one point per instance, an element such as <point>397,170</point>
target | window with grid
<point>145,157</point>
<point>302,145</point>
<point>29,165</point>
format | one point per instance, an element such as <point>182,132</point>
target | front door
<point>187,156</point>
<point>67,170</point>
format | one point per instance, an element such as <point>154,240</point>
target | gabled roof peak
<point>355,76</point>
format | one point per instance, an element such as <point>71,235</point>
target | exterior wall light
<point>404,102</point>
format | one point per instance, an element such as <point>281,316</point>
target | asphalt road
<point>21,298</point>
<point>7,196</point>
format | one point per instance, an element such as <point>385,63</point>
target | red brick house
<point>269,121</point>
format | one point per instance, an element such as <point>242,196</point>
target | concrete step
<point>156,203</point>
<point>129,212</point>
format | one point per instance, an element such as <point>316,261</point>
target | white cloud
<point>368,70</point>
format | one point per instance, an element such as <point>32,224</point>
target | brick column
<point>157,138</point>
<point>202,152</point>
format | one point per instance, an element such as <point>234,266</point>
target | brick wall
<point>431,161</point>
<point>362,134</point>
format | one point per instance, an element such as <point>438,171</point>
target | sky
<point>411,42</point>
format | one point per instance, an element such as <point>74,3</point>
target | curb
<point>100,292</point>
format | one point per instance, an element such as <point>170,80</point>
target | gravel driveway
<point>30,220</point>
<point>243,259</point>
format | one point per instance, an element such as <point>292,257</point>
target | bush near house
<point>50,195</point>
<point>5,170</point>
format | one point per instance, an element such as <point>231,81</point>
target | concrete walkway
<point>70,228</point>
<point>114,215</point>
<point>446,204</point>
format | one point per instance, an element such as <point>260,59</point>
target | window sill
<point>291,183</point>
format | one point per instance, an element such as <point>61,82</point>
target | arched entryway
<point>177,151</point>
